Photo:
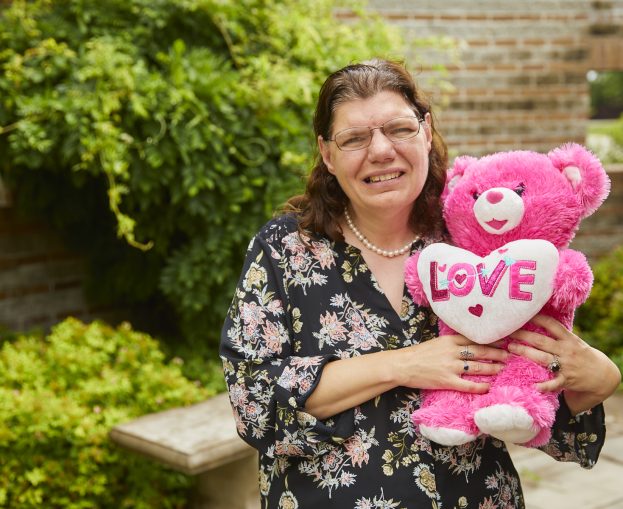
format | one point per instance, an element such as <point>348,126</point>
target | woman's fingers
<point>555,384</point>
<point>452,357</point>
<point>493,356</point>
<point>544,358</point>
<point>473,387</point>
<point>480,368</point>
<point>551,325</point>
<point>489,353</point>
<point>534,339</point>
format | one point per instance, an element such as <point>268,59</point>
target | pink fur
<point>515,386</point>
<point>557,191</point>
<point>595,184</point>
<point>446,409</point>
<point>574,280</point>
<point>413,281</point>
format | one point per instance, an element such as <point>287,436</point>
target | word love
<point>463,276</point>
<point>487,298</point>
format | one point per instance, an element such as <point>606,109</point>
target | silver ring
<point>466,354</point>
<point>554,366</point>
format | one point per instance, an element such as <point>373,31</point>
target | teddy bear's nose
<point>494,196</point>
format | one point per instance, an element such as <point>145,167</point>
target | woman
<point>324,350</point>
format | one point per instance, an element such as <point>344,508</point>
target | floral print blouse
<point>300,305</point>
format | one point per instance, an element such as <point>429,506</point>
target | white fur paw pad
<point>506,422</point>
<point>446,436</point>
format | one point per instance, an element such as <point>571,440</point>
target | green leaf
<point>175,127</point>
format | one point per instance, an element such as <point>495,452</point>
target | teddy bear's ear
<point>455,173</point>
<point>585,174</point>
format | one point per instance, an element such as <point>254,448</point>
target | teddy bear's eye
<point>520,189</point>
<point>475,195</point>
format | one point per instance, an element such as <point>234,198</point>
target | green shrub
<point>606,89</point>
<point>600,319</point>
<point>605,139</point>
<point>178,125</point>
<point>59,397</point>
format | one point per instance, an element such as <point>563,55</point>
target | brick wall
<point>40,280</point>
<point>519,75</point>
<point>606,41</point>
<point>520,80</point>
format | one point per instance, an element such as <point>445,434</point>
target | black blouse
<point>300,306</point>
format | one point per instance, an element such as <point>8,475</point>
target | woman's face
<point>385,174</point>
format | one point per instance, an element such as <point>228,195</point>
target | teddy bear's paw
<point>446,436</point>
<point>508,423</point>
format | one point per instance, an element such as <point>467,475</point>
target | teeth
<point>383,178</point>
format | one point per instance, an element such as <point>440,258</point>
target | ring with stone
<point>554,366</point>
<point>465,365</point>
<point>466,354</point>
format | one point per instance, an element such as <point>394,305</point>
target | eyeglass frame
<point>370,129</point>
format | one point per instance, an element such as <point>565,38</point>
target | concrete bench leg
<point>230,486</point>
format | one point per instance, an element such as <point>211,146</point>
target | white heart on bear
<point>486,299</point>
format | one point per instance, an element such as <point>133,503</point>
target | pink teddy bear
<point>511,216</point>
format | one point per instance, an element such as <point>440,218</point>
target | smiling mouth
<point>383,178</point>
<point>497,224</point>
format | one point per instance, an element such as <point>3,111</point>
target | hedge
<point>59,397</point>
<point>600,320</point>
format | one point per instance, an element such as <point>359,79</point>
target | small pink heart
<point>475,310</point>
<point>459,278</point>
<point>442,268</point>
<point>502,251</point>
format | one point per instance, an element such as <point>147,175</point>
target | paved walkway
<point>549,484</point>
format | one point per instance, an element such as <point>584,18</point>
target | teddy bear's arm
<point>573,281</point>
<point>413,282</point>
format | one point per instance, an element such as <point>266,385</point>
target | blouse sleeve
<point>579,438</point>
<point>267,384</point>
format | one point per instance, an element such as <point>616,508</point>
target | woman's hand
<point>433,364</point>
<point>440,363</point>
<point>586,374</point>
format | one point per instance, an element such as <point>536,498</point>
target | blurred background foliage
<point>605,134</point>
<point>600,320</point>
<point>60,395</point>
<point>157,136</point>
<point>606,91</point>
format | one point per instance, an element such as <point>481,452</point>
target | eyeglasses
<point>397,130</point>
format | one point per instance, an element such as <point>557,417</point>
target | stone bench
<point>199,440</point>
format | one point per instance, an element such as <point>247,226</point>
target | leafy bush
<point>600,319</point>
<point>605,138</point>
<point>179,124</point>
<point>59,397</point>
<point>606,89</point>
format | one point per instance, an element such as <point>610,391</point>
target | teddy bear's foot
<point>508,423</point>
<point>446,436</point>
<point>446,417</point>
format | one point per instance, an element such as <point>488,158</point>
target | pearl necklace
<point>372,247</point>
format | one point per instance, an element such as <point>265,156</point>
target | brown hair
<point>322,204</point>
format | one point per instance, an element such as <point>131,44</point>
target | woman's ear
<point>428,131</point>
<point>325,153</point>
